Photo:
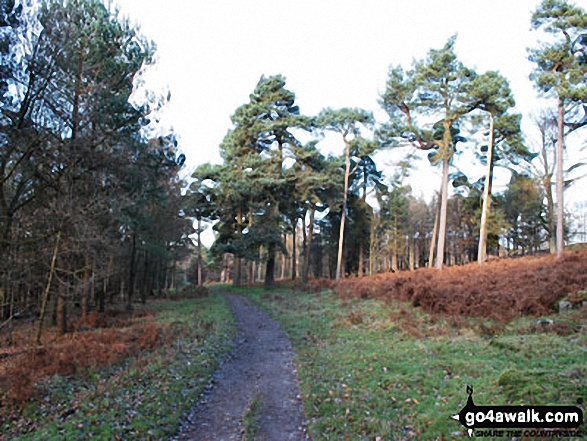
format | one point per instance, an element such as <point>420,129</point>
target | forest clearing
<point>370,366</point>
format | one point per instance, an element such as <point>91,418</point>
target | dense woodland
<point>94,205</point>
<point>90,204</point>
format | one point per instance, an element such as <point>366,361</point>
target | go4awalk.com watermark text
<point>520,421</point>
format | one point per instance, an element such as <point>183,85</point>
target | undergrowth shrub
<point>74,353</point>
<point>500,289</point>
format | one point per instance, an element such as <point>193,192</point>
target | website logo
<point>538,421</point>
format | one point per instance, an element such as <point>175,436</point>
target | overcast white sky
<point>333,53</point>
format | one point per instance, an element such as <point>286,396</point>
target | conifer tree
<point>561,72</point>
<point>425,106</point>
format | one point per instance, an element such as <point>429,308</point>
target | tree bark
<point>434,235</point>
<point>132,271</point>
<point>270,267</point>
<point>62,307</point>
<point>283,259</point>
<point>361,259</point>
<point>237,272</point>
<point>394,249</point>
<point>443,214</point>
<point>308,247</point>
<point>347,170</point>
<point>412,253</point>
<point>482,250</point>
<point>294,252</point>
<point>200,281</point>
<point>560,205</point>
<point>372,244</point>
<point>47,290</point>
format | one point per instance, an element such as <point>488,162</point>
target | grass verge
<point>144,397</point>
<point>370,370</point>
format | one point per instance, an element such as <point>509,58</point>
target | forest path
<point>259,379</point>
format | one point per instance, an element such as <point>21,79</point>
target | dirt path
<point>261,371</point>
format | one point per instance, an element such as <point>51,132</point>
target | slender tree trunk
<point>131,277</point>
<point>93,284</point>
<point>270,267</point>
<point>361,271</point>
<point>361,259</point>
<point>482,250</point>
<point>412,253</point>
<point>434,235</point>
<point>372,244</point>
<point>62,305</point>
<point>259,272</point>
<point>146,285</point>
<point>200,281</point>
<point>294,252</point>
<point>283,259</point>
<point>443,214</point>
<point>47,290</point>
<point>547,180</point>
<point>85,291</point>
<point>308,248</point>
<point>394,250</point>
<point>237,271</point>
<point>304,244</point>
<point>347,170</point>
<point>560,205</point>
<point>271,251</point>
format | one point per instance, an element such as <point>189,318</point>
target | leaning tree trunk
<point>47,289</point>
<point>347,170</point>
<point>434,235</point>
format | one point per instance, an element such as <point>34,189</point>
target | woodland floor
<point>254,394</point>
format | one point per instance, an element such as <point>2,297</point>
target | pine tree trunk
<point>361,259</point>
<point>434,235</point>
<point>237,272</point>
<point>294,252</point>
<point>560,205</point>
<point>482,250</point>
<point>412,253</point>
<point>200,281</point>
<point>283,259</point>
<point>131,277</point>
<point>270,267</point>
<point>308,247</point>
<point>394,250</point>
<point>551,213</point>
<point>443,215</point>
<point>347,171</point>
